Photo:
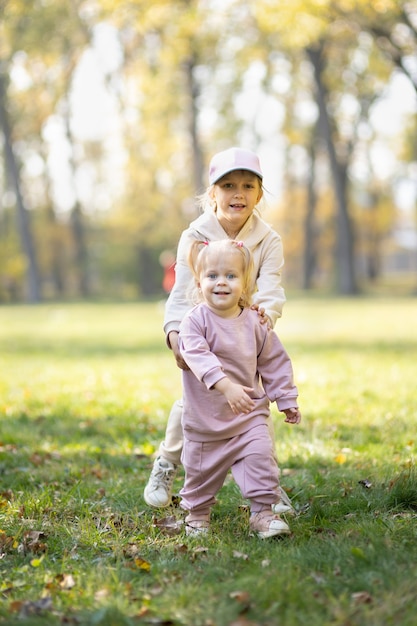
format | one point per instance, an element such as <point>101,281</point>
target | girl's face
<point>235,196</point>
<point>221,283</point>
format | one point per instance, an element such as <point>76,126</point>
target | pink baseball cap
<point>233,159</point>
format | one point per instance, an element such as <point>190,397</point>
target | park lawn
<point>84,394</point>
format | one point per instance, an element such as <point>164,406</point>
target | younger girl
<point>226,408</point>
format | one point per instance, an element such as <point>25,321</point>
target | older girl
<point>229,212</point>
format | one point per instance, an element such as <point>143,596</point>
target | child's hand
<point>173,340</point>
<point>263,318</point>
<point>236,395</point>
<point>293,416</point>
<point>239,400</point>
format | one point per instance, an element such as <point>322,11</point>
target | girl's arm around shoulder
<point>270,293</point>
<point>178,303</point>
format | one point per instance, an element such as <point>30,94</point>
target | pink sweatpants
<point>250,457</point>
<point>171,447</point>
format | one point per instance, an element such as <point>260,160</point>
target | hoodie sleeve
<point>178,304</point>
<point>270,293</point>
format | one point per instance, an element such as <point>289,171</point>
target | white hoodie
<point>266,247</point>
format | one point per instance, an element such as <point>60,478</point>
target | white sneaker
<point>158,491</point>
<point>284,505</point>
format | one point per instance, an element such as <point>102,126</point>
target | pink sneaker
<point>196,526</point>
<point>266,524</point>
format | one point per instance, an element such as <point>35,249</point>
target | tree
<point>346,279</point>
<point>330,35</point>
<point>184,77</point>
<point>23,223</point>
<point>24,27</point>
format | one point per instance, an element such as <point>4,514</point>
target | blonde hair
<point>197,258</point>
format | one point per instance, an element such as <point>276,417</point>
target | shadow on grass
<point>406,347</point>
<point>72,348</point>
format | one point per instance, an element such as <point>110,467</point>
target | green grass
<point>84,395</point>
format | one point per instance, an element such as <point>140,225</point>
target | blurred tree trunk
<point>147,271</point>
<point>346,280</point>
<point>310,250</point>
<point>400,50</point>
<point>81,256</point>
<point>23,222</point>
<point>193,93</point>
<point>77,218</point>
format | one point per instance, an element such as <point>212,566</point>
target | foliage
<point>177,81</point>
<point>84,395</point>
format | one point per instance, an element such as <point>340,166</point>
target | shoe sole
<point>267,534</point>
<point>195,532</point>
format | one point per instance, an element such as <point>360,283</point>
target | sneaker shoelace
<point>165,475</point>
<point>264,518</point>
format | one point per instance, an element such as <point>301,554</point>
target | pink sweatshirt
<point>245,351</point>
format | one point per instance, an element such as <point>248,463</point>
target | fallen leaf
<point>26,609</point>
<point>7,447</point>
<point>240,555</point>
<point>361,597</point>
<point>131,550</point>
<point>32,542</point>
<point>144,610</point>
<point>200,550</point>
<point>358,553</point>
<point>181,547</point>
<point>142,564</point>
<point>97,472</point>
<point>15,606</point>
<point>37,459</point>
<point>318,578</point>
<point>169,525</point>
<point>33,535</point>
<point>101,594</point>
<point>5,541</point>
<point>240,596</point>
<point>243,621</point>
<point>66,581</point>
<point>197,552</point>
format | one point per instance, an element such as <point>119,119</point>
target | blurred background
<point>110,111</point>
